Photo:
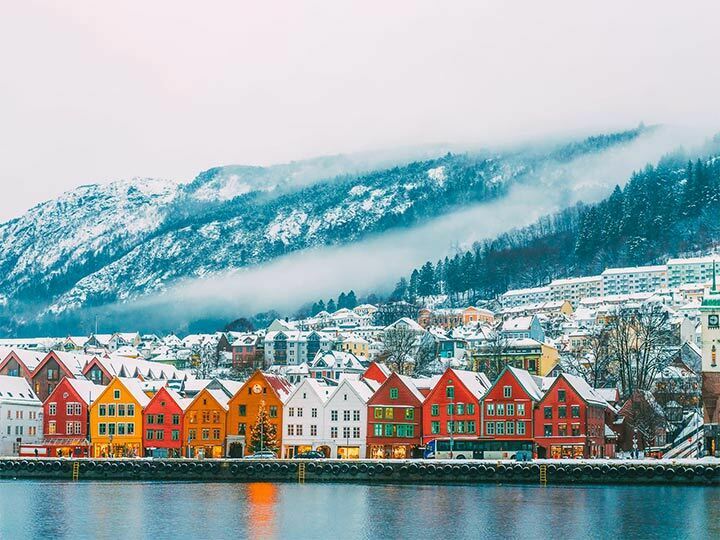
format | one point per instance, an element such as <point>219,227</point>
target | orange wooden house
<point>261,388</point>
<point>204,424</point>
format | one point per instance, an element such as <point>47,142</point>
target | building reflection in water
<point>262,503</point>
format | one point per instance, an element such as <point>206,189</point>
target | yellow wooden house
<point>116,419</point>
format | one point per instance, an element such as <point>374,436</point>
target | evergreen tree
<point>412,289</point>
<point>342,302</point>
<point>400,291</point>
<point>321,306</point>
<point>331,306</point>
<point>263,434</point>
<point>350,300</point>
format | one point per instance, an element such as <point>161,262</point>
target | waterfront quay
<point>595,471</point>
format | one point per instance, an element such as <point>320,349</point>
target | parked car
<point>265,454</point>
<point>310,454</point>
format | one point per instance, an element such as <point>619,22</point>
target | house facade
<point>345,418</point>
<point>116,419</point>
<point>205,422</point>
<point>395,419</point>
<point>66,418</point>
<point>304,418</point>
<point>21,363</point>
<point>21,415</point>
<point>570,420</point>
<point>163,424</point>
<point>54,367</point>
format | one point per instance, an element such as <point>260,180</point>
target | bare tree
<point>493,355</point>
<point>647,418</point>
<point>425,355</point>
<point>639,342</point>
<point>206,359</point>
<point>594,361</point>
<point>399,349</point>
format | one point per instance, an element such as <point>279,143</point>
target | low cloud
<point>375,264</point>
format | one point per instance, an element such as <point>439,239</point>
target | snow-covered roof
<point>30,359</point>
<point>135,387</point>
<point>407,322</point>
<point>530,290</point>
<point>517,324</point>
<point>584,390</point>
<point>87,390</point>
<point>336,360</point>
<point>363,388</point>
<point>477,383</point>
<point>635,270</point>
<point>16,389</point>
<point>528,382</point>
<point>412,385</point>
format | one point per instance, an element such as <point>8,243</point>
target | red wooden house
<point>163,424</point>
<point>508,411</point>
<point>453,406</point>
<point>395,419</point>
<point>376,372</point>
<point>53,368</point>
<point>570,420</point>
<point>67,416</point>
<point>21,363</point>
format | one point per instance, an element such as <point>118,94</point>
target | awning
<point>65,442</point>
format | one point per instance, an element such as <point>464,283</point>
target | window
<point>334,432</point>
<point>521,428</point>
<point>511,409</point>
<point>377,430</point>
<point>450,391</point>
<point>121,409</point>
<point>116,394</point>
<point>346,433</point>
<point>575,430</point>
<point>501,409</point>
<point>111,429</point>
<point>205,434</point>
<point>299,429</point>
<point>547,411</point>
<point>562,411</point>
<point>388,413</point>
<point>52,409</point>
<point>216,417</point>
<point>291,411</point>
<point>130,429</point>
<point>405,430</point>
<point>299,412</point>
<point>562,430</point>
<point>160,418</point>
<point>313,412</point>
<point>435,410</point>
<point>460,408</point>
<point>102,410</point>
<point>102,429</point>
<point>241,428</point>
<point>548,430</point>
<point>450,426</point>
<point>500,428</point>
<point>507,391</point>
<point>334,415</point>
<point>159,435</point>
<point>491,409</point>
<point>192,434</point>
<point>111,409</point>
<point>216,434</point>
<point>575,411</point>
<point>131,409</point>
<point>242,410</point>
<point>176,419</point>
<point>561,395</point>
<point>273,411</point>
<point>149,434</point>
<point>471,426</point>
<point>460,427</point>
<point>450,408</point>
<point>356,416</point>
<point>435,427</point>
<point>313,430</point>
<point>394,393</point>
<point>69,408</point>
<point>389,430</point>
<point>471,408</point>
<point>521,409</point>
<point>409,413</point>
<point>121,428</point>
<point>346,416</point>
<point>356,433</point>
<point>490,428</point>
<point>150,418</point>
<point>510,428</point>
<point>175,434</point>
<point>291,429</point>
<point>52,427</point>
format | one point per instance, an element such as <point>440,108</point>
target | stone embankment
<point>698,472</point>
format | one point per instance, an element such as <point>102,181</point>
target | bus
<point>479,449</point>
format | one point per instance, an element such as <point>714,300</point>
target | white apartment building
<point>21,416</point>
<point>575,289</point>
<point>520,297</point>
<point>634,279</point>
<point>346,418</point>
<point>293,347</point>
<point>304,417</point>
<point>691,270</point>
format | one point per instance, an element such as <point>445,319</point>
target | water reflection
<point>141,510</point>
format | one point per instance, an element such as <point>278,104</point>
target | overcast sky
<point>94,91</point>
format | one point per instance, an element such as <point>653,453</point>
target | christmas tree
<point>263,434</point>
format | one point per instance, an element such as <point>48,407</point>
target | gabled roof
<point>17,389</point>
<point>72,363</point>
<point>411,385</point>
<point>583,389</point>
<point>527,381</point>
<point>477,383</point>
<point>135,387</point>
<point>320,388</point>
<point>280,385</point>
<point>179,400</point>
<point>518,324</point>
<point>29,359</point>
<point>87,390</point>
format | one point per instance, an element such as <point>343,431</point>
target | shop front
<point>206,452</point>
<point>392,451</point>
<point>348,452</point>
<point>292,451</point>
<point>162,452</point>
<point>567,451</point>
<point>67,447</point>
<point>118,450</point>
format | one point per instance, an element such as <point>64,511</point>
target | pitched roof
<point>16,389</point>
<point>280,384</point>
<point>584,390</point>
<point>87,390</point>
<point>412,385</point>
<point>135,387</point>
<point>476,383</point>
<point>527,381</point>
<point>29,359</point>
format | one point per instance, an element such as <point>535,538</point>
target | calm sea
<point>34,509</point>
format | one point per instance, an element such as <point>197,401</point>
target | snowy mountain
<point>103,244</point>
